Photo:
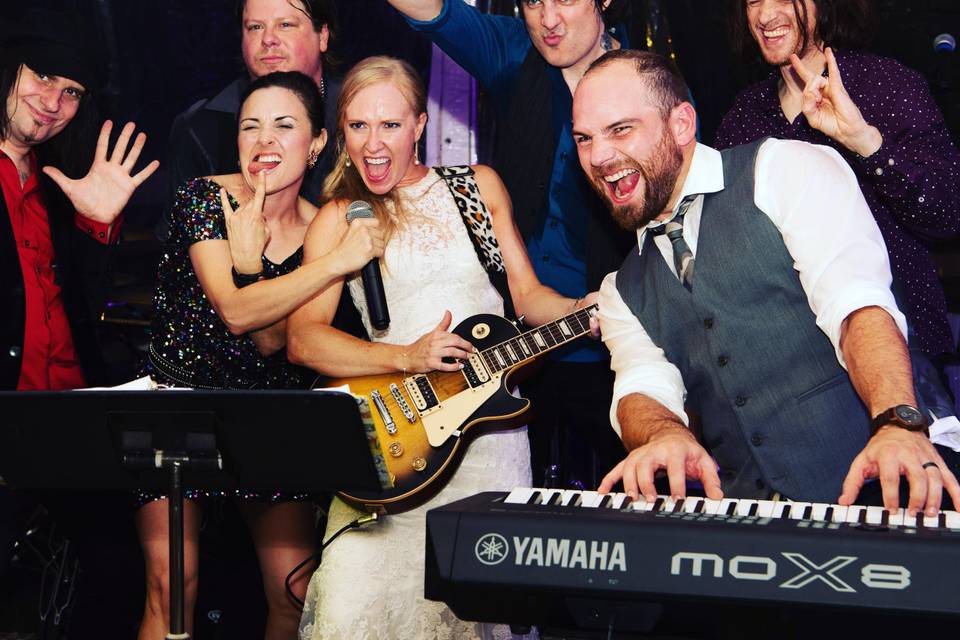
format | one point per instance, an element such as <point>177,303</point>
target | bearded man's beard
<point>658,177</point>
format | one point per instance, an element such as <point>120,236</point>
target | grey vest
<point>778,411</point>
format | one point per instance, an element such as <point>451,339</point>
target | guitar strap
<point>479,223</point>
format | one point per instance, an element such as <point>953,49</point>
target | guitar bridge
<point>384,412</point>
<point>402,403</point>
<point>421,392</point>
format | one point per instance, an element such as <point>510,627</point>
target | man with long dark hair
<point>878,114</point>
<point>63,193</point>
<point>57,230</point>
<point>530,67</point>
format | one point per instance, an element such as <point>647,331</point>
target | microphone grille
<point>359,209</point>
<point>945,42</point>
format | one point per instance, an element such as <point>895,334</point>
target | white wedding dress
<point>370,582</point>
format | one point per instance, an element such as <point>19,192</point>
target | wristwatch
<point>904,416</point>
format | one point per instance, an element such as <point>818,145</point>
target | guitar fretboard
<point>536,341</point>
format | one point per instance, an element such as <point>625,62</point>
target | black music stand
<point>167,440</point>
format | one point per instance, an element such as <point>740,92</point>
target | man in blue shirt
<point>530,67</point>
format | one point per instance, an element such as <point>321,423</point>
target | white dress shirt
<point>811,195</point>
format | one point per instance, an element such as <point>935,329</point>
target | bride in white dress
<point>370,581</point>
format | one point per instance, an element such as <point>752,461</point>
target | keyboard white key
<point>765,508</point>
<point>800,510</point>
<point>520,495</point>
<point>692,505</point>
<point>728,507</point>
<point>711,507</point>
<point>875,515</point>
<point>746,508</point>
<point>642,505</point>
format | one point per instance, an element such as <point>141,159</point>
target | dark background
<point>167,54</point>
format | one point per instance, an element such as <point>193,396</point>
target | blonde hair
<point>344,182</point>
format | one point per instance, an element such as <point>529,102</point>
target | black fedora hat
<point>60,43</point>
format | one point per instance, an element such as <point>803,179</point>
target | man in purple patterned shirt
<point>882,119</point>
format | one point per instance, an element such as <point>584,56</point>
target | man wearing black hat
<point>57,231</point>
<point>63,193</point>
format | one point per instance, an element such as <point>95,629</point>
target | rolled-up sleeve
<point>812,196</point>
<point>640,365</point>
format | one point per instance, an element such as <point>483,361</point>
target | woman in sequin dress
<point>370,583</point>
<point>220,318</point>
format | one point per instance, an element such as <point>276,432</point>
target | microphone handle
<point>376,298</point>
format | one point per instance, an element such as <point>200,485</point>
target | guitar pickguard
<point>446,420</point>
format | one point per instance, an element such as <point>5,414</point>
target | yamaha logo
<point>491,549</point>
<point>562,553</point>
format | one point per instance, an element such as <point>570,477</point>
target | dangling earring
<point>312,159</point>
<point>348,163</point>
<point>416,155</point>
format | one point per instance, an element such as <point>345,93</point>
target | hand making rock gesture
<point>247,229</point>
<point>830,109</point>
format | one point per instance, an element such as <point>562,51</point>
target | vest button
<point>740,401</point>
<point>15,351</point>
<point>756,439</point>
<point>541,186</point>
<point>761,484</point>
<point>723,360</point>
<point>708,323</point>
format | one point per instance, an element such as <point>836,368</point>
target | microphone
<point>944,45</point>
<point>370,274</point>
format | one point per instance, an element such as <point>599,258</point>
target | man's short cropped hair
<point>664,81</point>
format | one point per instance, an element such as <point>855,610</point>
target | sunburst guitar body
<point>424,421</point>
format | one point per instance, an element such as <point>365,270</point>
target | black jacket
<point>526,146</point>
<point>83,270</point>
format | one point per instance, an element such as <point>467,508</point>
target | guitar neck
<point>535,342</point>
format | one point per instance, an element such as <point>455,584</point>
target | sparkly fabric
<point>912,183</point>
<point>190,344</point>
<point>188,334</point>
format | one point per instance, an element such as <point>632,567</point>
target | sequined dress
<point>370,583</point>
<point>190,345</point>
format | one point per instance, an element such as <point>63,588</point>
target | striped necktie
<point>682,256</point>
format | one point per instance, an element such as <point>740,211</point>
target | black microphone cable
<point>313,557</point>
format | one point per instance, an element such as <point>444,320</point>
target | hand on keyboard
<point>893,453</point>
<point>674,450</point>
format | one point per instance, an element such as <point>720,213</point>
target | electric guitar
<point>423,420</point>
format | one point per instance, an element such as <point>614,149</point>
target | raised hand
<point>427,353</point>
<point>103,193</point>
<point>830,109</point>
<point>247,229</point>
<point>674,450</point>
<point>893,452</point>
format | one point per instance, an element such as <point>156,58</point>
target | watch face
<point>909,415</point>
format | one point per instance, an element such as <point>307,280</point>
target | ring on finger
<point>930,463</point>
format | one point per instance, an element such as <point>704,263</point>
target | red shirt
<point>49,359</point>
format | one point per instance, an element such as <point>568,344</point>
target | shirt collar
<point>705,176</point>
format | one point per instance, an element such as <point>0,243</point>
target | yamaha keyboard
<point>542,556</point>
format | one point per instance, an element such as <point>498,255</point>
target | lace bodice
<point>433,244</point>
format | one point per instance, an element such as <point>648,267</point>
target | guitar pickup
<point>402,403</point>
<point>384,412</point>
<point>474,371</point>
<point>421,392</point>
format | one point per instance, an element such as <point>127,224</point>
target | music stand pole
<point>175,508</point>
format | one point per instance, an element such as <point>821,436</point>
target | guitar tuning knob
<point>518,323</point>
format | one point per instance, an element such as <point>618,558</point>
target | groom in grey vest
<point>757,298</point>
